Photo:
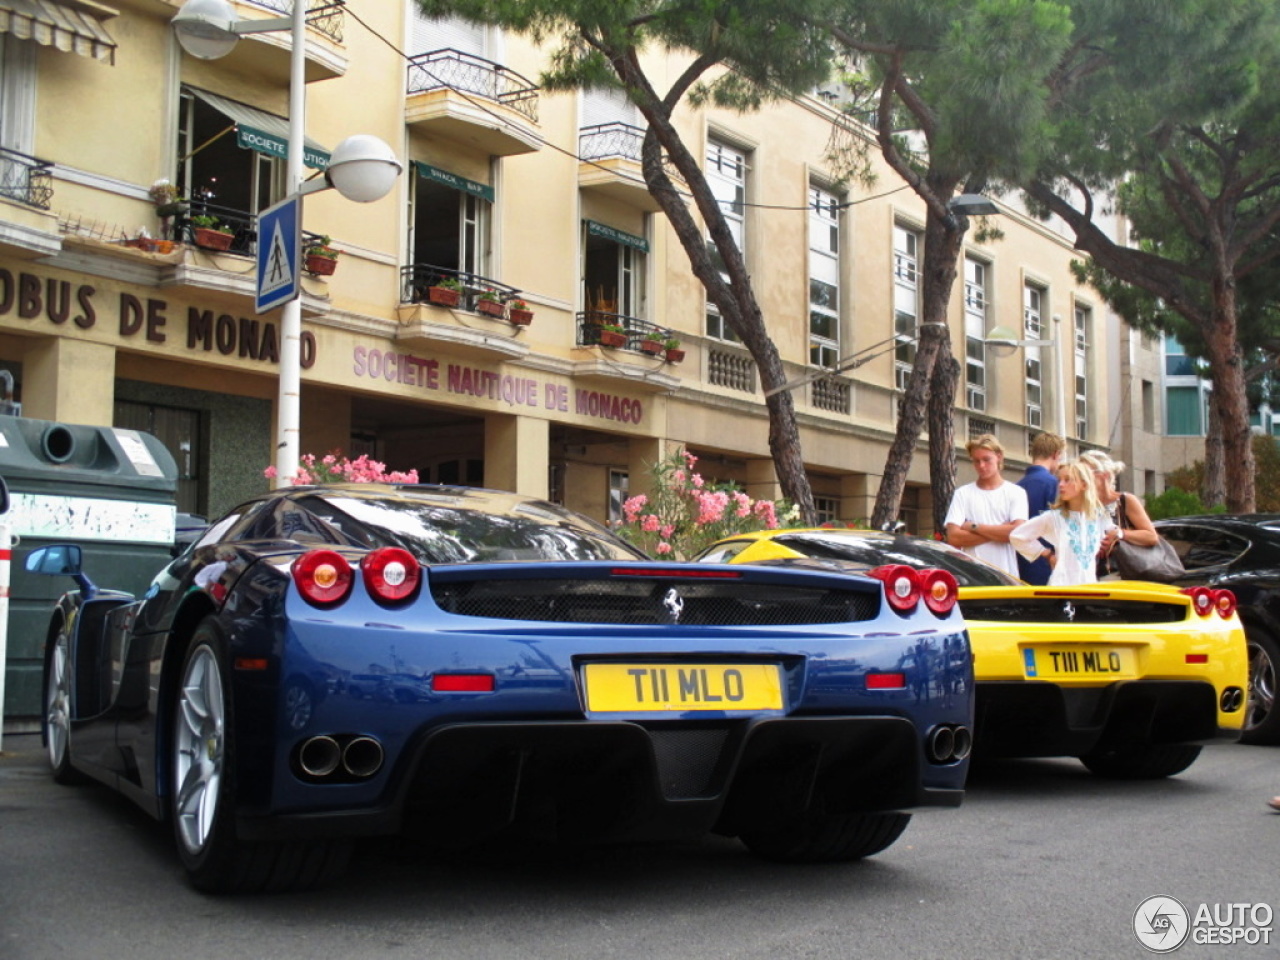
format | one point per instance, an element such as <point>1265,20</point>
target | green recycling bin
<point>109,490</point>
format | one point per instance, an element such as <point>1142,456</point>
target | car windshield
<point>866,552</point>
<point>462,529</point>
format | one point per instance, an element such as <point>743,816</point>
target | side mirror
<point>62,559</point>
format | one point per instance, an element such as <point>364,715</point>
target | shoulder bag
<point>1159,563</point>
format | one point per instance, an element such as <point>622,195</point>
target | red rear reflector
<point>886,681</point>
<point>251,663</point>
<point>1197,658</point>
<point>462,683</point>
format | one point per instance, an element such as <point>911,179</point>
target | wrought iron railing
<point>25,179</point>
<point>417,278</point>
<point>641,335</point>
<point>241,224</point>
<point>475,75</point>
<point>323,16</point>
<point>610,140</point>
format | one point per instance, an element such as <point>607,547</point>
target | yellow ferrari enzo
<point>1130,677</point>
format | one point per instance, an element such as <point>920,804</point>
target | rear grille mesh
<point>646,601</point>
<point>1070,610</point>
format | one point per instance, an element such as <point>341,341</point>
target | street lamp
<point>362,168</point>
<point>1003,342</point>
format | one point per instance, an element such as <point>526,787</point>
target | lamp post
<point>362,168</point>
<point>1003,342</point>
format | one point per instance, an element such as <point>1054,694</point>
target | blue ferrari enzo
<point>338,662</point>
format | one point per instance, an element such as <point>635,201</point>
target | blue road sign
<point>279,253</point>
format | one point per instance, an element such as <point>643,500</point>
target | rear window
<point>865,553</point>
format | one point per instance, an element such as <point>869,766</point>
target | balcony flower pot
<point>490,308</point>
<point>652,347</point>
<point>171,209</point>
<point>443,296</point>
<point>321,264</point>
<point>520,316</point>
<point>612,338</point>
<point>674,354</point>
<point>212,239</point>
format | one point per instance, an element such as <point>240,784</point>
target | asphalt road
<point>1042,861</point>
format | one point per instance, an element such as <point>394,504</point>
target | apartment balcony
<point>442,306</point>
<point>266,56</point>
<point>628,349</point>
<point>609,164</point>
<point>27,227</point>
<point>181,257</point>
<point>474,102</point>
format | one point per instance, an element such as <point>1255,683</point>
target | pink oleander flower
<point>650,523</point>
<point>663,548</point>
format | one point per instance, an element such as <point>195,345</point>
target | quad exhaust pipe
<point>341,756</point>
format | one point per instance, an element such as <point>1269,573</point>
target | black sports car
<point>330,663</point>
<point>1241,552</point>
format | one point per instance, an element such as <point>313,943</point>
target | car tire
<point>1262,720</point>
<point>203,772</point>
<point>56,718</point>
<point>1141,761</point>
<point>828,839</point>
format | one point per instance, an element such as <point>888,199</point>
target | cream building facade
<point>113,310</point>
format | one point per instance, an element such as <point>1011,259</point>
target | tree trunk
<point>1213,490</point>
<point>931,388</point>
<point>1226,361</point>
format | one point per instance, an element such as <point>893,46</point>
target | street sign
<point>279,253</point>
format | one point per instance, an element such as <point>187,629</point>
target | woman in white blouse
<point>1076,525</point>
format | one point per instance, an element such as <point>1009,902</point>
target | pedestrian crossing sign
<point>279,253</point>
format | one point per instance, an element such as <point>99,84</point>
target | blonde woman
<point>1076,525</point>
<point>1136,527</point>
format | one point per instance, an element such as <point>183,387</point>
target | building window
<point>613,267</point>
<point>1033,327</point>
<point>1177,363</point>
<point>1183,408</point>
<point>618,483</point>
<point>1148,406</point>
<point>449,223</point>
<point>975,333</point>
<point>726,170</point>
<point>1083,322</point>
<point>218,173</point>
<point>826,509</point>
<point>906,289</point>
<point>824,278</point>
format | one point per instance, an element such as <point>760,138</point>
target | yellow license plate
<point>1085,660</point>
<point>660,688</point>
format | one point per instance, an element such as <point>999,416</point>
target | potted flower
<point>518,312</point>
<point>612,335</point>
<point>445,292</point>
<point>652,344</point>
<point>319,258</point>
<point>165,196</point>
<point>210,233</point>
<point>489,303</point>
<point>672,346</point>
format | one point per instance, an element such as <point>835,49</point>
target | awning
<point>453,181</point>
<point>69,27</point>
<point>265,132</point>
<point>617,236</point>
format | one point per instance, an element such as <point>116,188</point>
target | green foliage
<point>1175,502</point>
<point>1188,482</point>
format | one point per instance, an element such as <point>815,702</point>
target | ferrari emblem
<point>674,604</point>
<point>1069,611</point>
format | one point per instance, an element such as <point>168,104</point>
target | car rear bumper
<point>1041,719</point>
<point>621,781</point>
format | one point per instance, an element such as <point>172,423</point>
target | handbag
<point>1159,563</point>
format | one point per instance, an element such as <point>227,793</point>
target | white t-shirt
<point>972,504</point>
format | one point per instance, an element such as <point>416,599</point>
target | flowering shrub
<point>686,514</point>
<point>338,468</point>
<point>162,192</point>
